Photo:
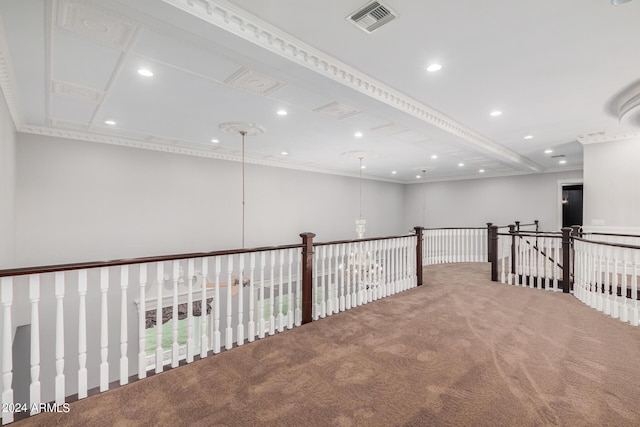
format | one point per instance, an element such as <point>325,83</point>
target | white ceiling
<point>558,70</point>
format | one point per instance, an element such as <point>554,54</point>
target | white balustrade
<point>169,330</point>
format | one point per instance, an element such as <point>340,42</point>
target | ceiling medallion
<point>242,128</point>
<point>360,154</point>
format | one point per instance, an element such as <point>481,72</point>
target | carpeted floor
<point>460,350</point>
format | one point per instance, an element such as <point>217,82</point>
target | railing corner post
<point>307,276</point>
<point>537,223</point>
<point>566,253</point>
<point>419,232</point>
<point>512,231</point>
<point>517,225</point>
<point>489,224</point>
<point>493,239</point>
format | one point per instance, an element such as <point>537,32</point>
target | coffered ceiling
<point>559,72</point>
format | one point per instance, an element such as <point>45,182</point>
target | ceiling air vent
<point>372,16</point>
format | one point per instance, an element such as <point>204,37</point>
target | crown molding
<point>494,175</point>
<point>239,22</point>
<point>595,139</point>
<point>189,151</point>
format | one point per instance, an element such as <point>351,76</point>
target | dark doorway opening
<point>571,205</point>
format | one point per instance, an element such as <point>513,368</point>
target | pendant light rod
<point>243,133</point>
<point>360,213</point>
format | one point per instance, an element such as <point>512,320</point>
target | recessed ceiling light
<point>282,112</point>
<point>528,137</point>
<point>285,153</point>
<point>434,67</point>
<point>109,122</point>
<point>548,151</point>
<point>358,134</point>
<point>562,162</point>
<point>434,156</point>
<point>481,171</point>
<point>418,176</point>
<point>363,167</point>
<point>460,164</point>
<point>144,72</point>
<point>496,113</point>
<point>394,172</point>
<point>215,140</point>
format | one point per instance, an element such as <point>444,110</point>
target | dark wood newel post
<point>489,224</point>
<point>307,276</point>
<point>419,254</point>
<point>493,240</point>
<point>518,225</point>
<point>537,223</point>
<point>512,230</point>
<point>566,253</point>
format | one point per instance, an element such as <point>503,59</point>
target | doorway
<point>571,205</point>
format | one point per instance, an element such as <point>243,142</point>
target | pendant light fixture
<point>243,129</point>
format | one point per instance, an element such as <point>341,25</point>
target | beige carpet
<point>460,350</point>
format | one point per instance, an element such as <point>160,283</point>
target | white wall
<point>81,201</point>
<point>7,187</point>
<point>475,202</point>
<point>612,185</point>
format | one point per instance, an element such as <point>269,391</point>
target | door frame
<point>561,183</point>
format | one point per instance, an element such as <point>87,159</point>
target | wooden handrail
<point>617,245</point>
<point>143,260</point>
<point>456,228</point>
<point>368,239</point>
<point>611,234</point>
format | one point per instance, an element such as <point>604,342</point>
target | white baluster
<point>272,294</point>
<point>159,306</point>
<point>329,282</point>
<point>298,297</point>
<point>622,300</point>
<point>252,296</point>
<point>82,334</point>
<point>336,281</point>
<point>314,292</point>
<point>634,316</point>
<point>280,317</point>
<point>6,297</point>
<point>343,272</point>
<point>204,312</point>
<point>228,343</point>
<point>346,272</point>
<point>177,274</point>
<point>240,330</point>
<point>501,252</point>
<point>59,381</point>
<point>290,301</point>
<point>615,309</point>
<point>323,281</point>
<point>261,323</point>
<point>124,360</point>
<point>142,324</point>
<point>607,297</point>
<point>191,270</point>
<point>104,330</point>
<point>360,276</point>
<point>217,337</point>
<point>556,267</point>
<point>280,286</point>
<point>34,389</point>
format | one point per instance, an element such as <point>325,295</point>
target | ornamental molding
<point>239,22</point>
<point>604,137</point>
<point>212,153</point>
